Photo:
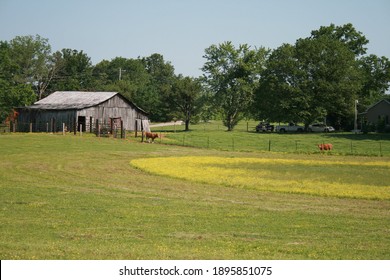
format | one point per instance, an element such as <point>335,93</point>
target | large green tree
<point>376,79</point>
<point>74,71</point>
<point>32,62</point>
<point>161,77</point>
<point>12,96</point>
<point>354,40</point>
<point>375,70</point>
<point>231,74</point>
<point>315,78</point>
<point>278,97</point>
<point>127,76</point>
<point>184,98</point>
<point>15,89</point>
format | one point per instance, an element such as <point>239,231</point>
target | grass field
<point>244,138</point>
<point>71,197</point>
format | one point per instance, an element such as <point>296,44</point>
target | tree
<point>161,77</point>
<point>12,96</point>
<point>32,62</point>
<point>184,98</point>
<point>127,76</point>
<point>14,91</point>
<point>146,81</point>
<point>7,65</point>
<point>278,96</point>
<point>376,79</point>
<point>231,75</point>
<point>74,71</point>
<point>346,34</point>
<point>316,77</point>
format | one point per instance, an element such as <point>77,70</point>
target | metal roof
<point>66,100</point>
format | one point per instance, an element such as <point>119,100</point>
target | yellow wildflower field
<point>336,178</point>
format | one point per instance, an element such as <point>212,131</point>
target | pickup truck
<point>291,127</point>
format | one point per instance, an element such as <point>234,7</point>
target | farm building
<point>379,111</point>
<point>78,108</point>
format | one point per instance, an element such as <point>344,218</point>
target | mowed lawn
<point>72,197</point>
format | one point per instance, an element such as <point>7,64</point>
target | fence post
<point>31,127</point>
<point>97,127</point>
<point>122,130</point>
<point>233,143</point>
<point>269,145</point>
<point>81,129</point>
<point>90,124</point>
<point>63,128</point>
<point>380,148</point>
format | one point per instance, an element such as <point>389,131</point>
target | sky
<point>182,30</point>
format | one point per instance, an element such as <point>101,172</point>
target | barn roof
<point>63,100</point>
<point>75,100</point>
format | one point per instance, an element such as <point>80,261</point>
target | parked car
<point>291,127</point>
<point>264,127</point>
<point>320,127</point>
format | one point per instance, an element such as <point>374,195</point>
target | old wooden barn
<point>78,108</point>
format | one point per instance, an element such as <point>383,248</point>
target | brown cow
<point>150,135</point>
<point>326,147</point>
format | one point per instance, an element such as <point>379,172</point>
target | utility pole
<point>356,112</point>
<point>120,73</point>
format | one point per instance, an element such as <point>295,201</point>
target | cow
<point>150,135</point>
<point>326,147</point>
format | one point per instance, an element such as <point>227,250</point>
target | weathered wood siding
<point>45,120</point>
<point>115,107</point>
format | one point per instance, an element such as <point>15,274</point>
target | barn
<point>76,109</point>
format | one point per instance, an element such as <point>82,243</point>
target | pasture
<point>244,138</point>
<point>71,197</point>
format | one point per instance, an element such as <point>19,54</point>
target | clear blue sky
<point>180,30</point>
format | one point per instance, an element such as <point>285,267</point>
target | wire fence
<point>100,129</point>
<point>243,139</point>
<point>285,144</point>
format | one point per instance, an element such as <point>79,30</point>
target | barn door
<point>115,124</point>
<point>81,120</point>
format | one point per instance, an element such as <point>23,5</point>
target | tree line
<point>317,77</point>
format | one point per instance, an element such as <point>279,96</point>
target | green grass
<point>244,138</point>
<point>79,198</point>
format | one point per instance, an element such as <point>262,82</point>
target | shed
<point>379,111</point>
<point>75,108</point>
